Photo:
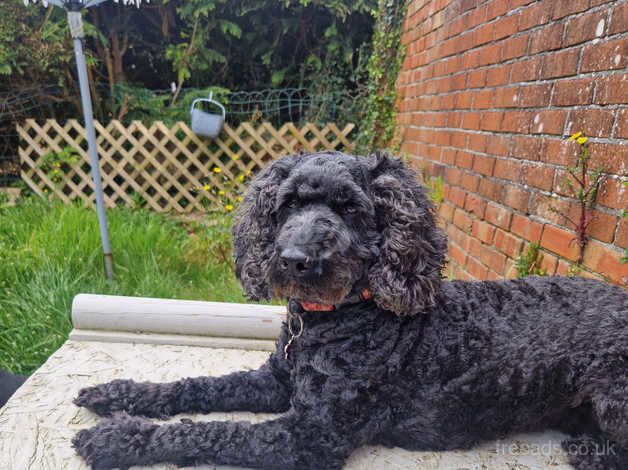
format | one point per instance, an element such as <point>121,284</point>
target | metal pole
<point>76,29</point>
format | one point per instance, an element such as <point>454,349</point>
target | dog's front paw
<point>147,399</point>
<point>116,443</point>
<point>106,399</point>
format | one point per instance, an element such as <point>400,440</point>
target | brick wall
<point>487,94</point>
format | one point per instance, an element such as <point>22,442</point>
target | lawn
<point>49,252</point>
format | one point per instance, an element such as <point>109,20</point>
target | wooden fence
<point>167,168</point>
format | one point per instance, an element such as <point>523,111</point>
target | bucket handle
<point>210,100</point>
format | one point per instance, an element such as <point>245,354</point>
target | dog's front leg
<point>266,389</point>
<point>290,442</point>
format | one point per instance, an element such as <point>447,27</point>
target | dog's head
<point>314,225</point>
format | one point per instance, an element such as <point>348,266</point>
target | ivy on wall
<point>378,126</point>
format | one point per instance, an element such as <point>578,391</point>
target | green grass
<point>50,252</point>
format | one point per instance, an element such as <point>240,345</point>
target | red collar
<point>365,294</point>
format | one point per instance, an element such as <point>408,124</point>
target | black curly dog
<point>404,359</point>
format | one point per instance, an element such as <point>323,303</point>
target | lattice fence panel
<point>164,168</point>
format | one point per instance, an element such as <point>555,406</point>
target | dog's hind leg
<point>607,450</point>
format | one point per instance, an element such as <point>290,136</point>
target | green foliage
<point>51,252</point>
<point>378,128</point>
<point>435,189</point>
<point>529,263</point>
<point>318,45</point>
<point>583,185</point>
<point>52,163</point>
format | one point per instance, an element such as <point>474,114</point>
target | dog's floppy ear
<point>255,227</point>
<point>407,274</point>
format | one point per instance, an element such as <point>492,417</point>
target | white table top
<point>38,423</point>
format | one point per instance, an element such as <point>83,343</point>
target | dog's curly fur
<point>425,364</point>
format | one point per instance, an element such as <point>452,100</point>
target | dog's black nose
<point>295,261</point>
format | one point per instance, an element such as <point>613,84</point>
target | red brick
<point>586,27</point>
<point>492,120</point>
<point>602,226</point>
<point>518,3</point>
<point>526,70</point>
<point>621,237</point>
<point>526,228</point>
<point>456,196</point>
<point>547,39</point>
<point>483,99</point>
<point>462,220</point>
<point>506,243</point>
<point>516,197</point>
<point>609,55</point>
<point>558,151</point>
<point>527,148</point>
<point>493,259</point>
<point>573,92</point>
<point>560,241</point>
<point>563,268</point>
<point>496,8</point>
<point>490,189</point>
<point>476,78</point>
<point>516,121</point>
<point>534,96</point>
<point>569,7</point>
<point>497,215</point>
<point>489,54</point>
<point>446,211</point>
<point>470,182</point>
<point>476,269</point>
<point>471,120</point>
<point>457,255</point>
<point>612,89</point>
<point>505,27</point>
<point>619,19</point>
<point>554,209</point>
<point>613,194</point>
<point>606,261</point>
<point>475,205</point>
<point>464,160</point>
<point>484,34</point>
<point>537,14</point>
<point>593,122</point>
<point>610,158</point>
<point>477,142</point>
<point>561,64</point>
<point>515,47</point>
<point>475,247</point>
<point>482,231</point>
<point>484,165</point>
<point>499,75</point>
<point>549,122</point>
<point>507,97</point>
<point>549,263</point>
<point>538,175</point>
<point>507,169</point>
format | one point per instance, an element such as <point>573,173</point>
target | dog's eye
<point>292,203</point>
<point>349,209</point>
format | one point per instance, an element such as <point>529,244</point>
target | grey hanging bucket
<point>204,123</point>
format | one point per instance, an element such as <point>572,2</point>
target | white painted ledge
<point>113,318</point>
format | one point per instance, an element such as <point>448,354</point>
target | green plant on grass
<point>54,164</point>
<point>529,263</point>
<point>50,252</point>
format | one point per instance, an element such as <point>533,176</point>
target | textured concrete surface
<point>37,424</point>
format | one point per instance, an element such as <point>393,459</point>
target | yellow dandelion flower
<point>217,170</point>
<point>221,193</point>
<point>228,207</point>
<point>234,157</point>
<point>248,172</point>
<point>575,136</point>
<point>206,187</point>
<point>240,177</point>
<point>582,140</point>
<point>239,198</point>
